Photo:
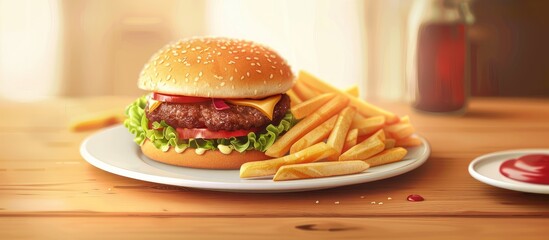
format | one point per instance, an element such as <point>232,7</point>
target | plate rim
<point>284,186</point>
<point>512,184</point>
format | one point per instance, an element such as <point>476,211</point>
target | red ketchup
<point>414,198</point>
<point>532,168</point>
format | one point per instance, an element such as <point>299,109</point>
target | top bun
<point>216,68</point>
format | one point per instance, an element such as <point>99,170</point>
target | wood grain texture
<point>44,181</point>
<point>271,228</point>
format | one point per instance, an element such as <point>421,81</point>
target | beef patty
<point>204,115</point>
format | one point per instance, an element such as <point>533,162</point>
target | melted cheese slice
<point>153,104</point>
<point>266,106</point>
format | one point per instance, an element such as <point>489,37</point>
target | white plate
<point>486,169</point>
<point>113,150</point>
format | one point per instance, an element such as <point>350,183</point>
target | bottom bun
<point>208,160</point>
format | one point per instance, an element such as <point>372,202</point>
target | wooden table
<point>48,191</point>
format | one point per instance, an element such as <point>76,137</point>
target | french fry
<point>408,142</point>
<point>269,167</point>
<point>367,148</point>
<point>319,170</point>
<point>354,91</point>
<point>368,126</point>
<point>351,139</point>
<point>283,144</point>
<point>303,91</point>
<point>389,143</point>
<point>387,156</point>
<point>361,122</point>
<point>380,134</point>
<point>294,99</point>
<point>96,120</point>
<point>400,130</point>
<point>315,136</point>
<point>305,108</point>
<point>364,108</point>
<point>405,119</point>
<point>339,133</point>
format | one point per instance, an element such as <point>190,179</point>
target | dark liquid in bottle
<point>441,68</point>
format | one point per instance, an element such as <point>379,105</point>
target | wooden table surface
<point>48,191</point>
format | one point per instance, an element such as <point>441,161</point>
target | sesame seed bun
<point>216,68</point>
<point>208,160</point>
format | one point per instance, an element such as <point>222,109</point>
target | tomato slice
<point>177,98</point>
<point>187,133</point>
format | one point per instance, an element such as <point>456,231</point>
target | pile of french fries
<point>337,134</point>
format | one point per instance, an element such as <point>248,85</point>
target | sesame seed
<point>242,77</point>
<point>231,62</point>
<point>248,58</point>
<point>373,202</point>
<point>256,58</point>
<point>380,203</point>
<point>258,64</point>
<point>264,81</point>
<point>389,198</point>
<point>222,84</point>
<point>196,79</point>
<point>193,49</point>
<point>336,202</point>
<point>273,67</point>
<point>168,77</point>
<point>199,47</point>
<point>236,57</point>
<point>317,201</point>
<point>187,75</point>
<point>248,74</point>
<point>200,74</point>
<point>253,64</point>
<point>223,47</point>
<point>258,71</point>
<point>271,76</point>
<point>161,61</point>
<point>281,73</point>
<point>167,64</point>
<point>255,92</point>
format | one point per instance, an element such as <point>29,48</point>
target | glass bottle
<point>437,60</point>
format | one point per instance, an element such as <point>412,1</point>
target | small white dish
<point>486,169</point>
<point>113,150</point>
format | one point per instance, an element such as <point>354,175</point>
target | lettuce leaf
<point>164,137</point>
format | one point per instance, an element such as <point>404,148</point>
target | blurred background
<point>78,48</point>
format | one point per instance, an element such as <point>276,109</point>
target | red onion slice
<point>219,104</point>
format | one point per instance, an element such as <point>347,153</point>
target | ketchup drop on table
<point>415,198</point>
<point>532,168</point>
